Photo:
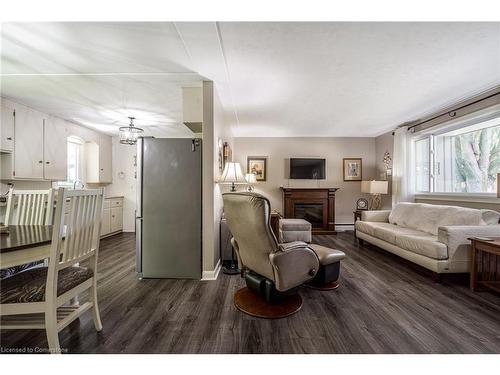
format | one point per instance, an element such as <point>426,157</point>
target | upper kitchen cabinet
<point>39,148</point>
<point>98,157</point>
<point>105,157</point>
<point>28,147</point>
<point>55,149</point>
<point>7,128</point>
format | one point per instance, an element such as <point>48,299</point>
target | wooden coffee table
<point>485,265</point>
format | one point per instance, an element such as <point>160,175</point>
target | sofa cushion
<point>367,227</point>
<point>491,217</point>
<point>424,244</point>
<point>429,217</point>
<point>29,286</point>
<point>407,238</point>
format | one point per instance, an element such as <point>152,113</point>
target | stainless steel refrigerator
<point>168,212</point>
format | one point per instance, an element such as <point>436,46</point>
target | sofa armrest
<point>456,238</point>
<point>294,264</point>
<point>378,216</point>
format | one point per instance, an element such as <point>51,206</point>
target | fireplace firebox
<point>312,212</point>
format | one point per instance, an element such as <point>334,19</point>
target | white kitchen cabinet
<point>7,128</point>
<point>98,156</point>
<point>116,219</point>
<point>105,156</point>
<point>112,218</point>
<point>55,149</point>
<point>106,222</point>
<point>28,148</point>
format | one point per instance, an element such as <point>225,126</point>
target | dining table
<point>22,244</point>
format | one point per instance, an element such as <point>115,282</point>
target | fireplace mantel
<point>318,200</point>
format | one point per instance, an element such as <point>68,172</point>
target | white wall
<point>123,161</point>
<point>279,150</point>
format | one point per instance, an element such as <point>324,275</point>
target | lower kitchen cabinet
<point>112,218</point>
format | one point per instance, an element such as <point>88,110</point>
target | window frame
<point>442,195</point>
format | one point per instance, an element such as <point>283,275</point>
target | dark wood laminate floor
<point>384,305</point>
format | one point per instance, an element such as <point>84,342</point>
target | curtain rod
<point>485,95</point>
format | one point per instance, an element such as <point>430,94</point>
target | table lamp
<point>233,175</point>
<point>375,188</point>
<point>251,179</point>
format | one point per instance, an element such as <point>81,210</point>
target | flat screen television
<point>307,169</point>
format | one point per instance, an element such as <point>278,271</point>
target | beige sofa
<point>433,236</point>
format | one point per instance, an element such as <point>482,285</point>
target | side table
<point>485,264</point>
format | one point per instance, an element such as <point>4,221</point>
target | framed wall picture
<point>258,166</point>
<point>227,154</point>
<point>353,169</point>
<point>220,154</point>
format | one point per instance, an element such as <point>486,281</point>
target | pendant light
<point>129,134</point>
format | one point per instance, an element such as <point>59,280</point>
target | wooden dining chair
<point>29,207</point>
<point>38,298</point>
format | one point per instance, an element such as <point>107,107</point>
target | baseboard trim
<point>211,275</point>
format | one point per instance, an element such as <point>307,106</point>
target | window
<point>464,160</point>
<point>74,162</point>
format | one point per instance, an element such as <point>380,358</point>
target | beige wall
<point>383,143</point>
<point>280,150</point>
<point>215,126</point>
<point>222,131</point>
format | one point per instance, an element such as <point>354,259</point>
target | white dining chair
<point>38,298</point>
<point>29,207</point>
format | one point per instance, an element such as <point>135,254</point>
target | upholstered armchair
<point>275,271</point>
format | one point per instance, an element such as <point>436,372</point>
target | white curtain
<point>402,170</point>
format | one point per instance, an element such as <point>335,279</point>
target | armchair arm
<point>293,265</point>
<point>378,216</point>
<point>456,238</point>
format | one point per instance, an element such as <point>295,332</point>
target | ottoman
<point>329,268</point>
<point>294,230</point>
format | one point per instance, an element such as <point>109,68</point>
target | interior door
<point>55,150</point>
<point>171,208</point>
<point>28,152</point>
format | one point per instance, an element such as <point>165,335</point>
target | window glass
<point>468,161</point>
<point>74,161</point>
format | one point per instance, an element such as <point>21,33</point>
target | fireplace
<point>312,212</point>
<point>316,205</point>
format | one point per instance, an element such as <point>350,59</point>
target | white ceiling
<point>273,79</point>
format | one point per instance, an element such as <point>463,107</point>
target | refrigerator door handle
<point>138,246</point>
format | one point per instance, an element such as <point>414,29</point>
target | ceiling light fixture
<point>129,134</point>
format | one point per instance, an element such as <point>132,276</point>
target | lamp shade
<point>374,187</point>
<point>232,174</point>
<point>251,178</point>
